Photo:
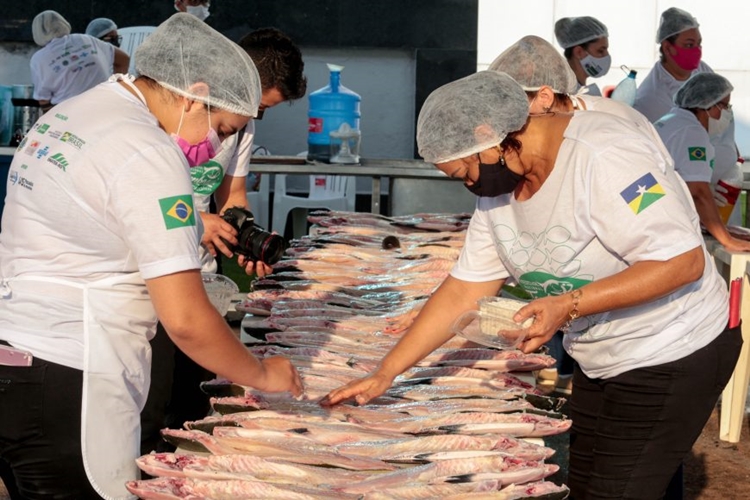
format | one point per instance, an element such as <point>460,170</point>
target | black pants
<point>631,432</point>
<point>174,396</point>
<point>40,431</point>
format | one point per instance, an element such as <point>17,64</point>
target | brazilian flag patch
<point>697,154</point>
<point>642,193</point>
<point>177,211</point>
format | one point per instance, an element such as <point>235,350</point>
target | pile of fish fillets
<point>453,426</point>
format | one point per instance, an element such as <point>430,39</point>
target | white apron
<point>118,320</point>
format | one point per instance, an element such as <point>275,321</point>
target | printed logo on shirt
<point>642,193</point>
<point>697,154</point>
<point>73,140</point>
<point>542,284</point>
<point>177,211</point>
<point>31,149</point>
<point>711,164</point>
<point>42,128</point>
<point>13,177</point>
<point>22,143</point>
<point>207,177</point>
<point>54,134</point>
<point>42,152</point>
<point>61,116</point>
<point>59,161</point>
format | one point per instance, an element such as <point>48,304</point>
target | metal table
<point>375,169</point>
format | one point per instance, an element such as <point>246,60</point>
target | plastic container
<point>330,107</point>
<point>492,325</point>
<point>220,290</point>
<point>626,89</point>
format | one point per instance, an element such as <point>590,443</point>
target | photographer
<point>175,395</point>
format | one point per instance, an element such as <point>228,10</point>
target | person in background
<point>197,8</point>
<point>581,201</point>
<point>585,41</point>
<point>101,235</point>
<point>680,41</point>
<point>701,110</point>
<point>69,64</point>
<point>175,395</point>
<point>104,29</point>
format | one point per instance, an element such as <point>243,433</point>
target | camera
<point>253,241</point>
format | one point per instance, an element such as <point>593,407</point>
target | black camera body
<point>253,241</point>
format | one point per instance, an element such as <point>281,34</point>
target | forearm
<point>196,327</point>
<point>431,328</point>
<point>231,193</point>
<point>708,212</point>
<point>640,283</point>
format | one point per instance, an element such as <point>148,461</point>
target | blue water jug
<point>330,107</point>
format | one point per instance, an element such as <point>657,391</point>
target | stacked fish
<point>453,426</point>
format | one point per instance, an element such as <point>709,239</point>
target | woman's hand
<point>280,375</point>
<point>549,313</point>
<point>362,390</point>
<point>214,229</point>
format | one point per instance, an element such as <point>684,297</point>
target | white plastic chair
<point>258,201</point>
<point>334,192</point>
<point>132,37</point>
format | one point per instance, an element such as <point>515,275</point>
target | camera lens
<point>270,248</point>
<point>260,245</point>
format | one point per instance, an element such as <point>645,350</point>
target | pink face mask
<point>198,154</point>
<point>687,58</point>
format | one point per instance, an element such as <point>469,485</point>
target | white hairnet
<point>100,27</point>
<point>702,90</point>
<point>470,115</point>
<point>533,62</point>
<point>673,21</point>
<point>183,50</point>
<point>572,31</point>
<point>47,26</point>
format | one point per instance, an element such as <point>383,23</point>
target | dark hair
<point>671,39</point>
<point>511,140</point>
<point>568,53</point>
<point>278,60</point>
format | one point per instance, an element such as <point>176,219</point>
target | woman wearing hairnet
<point>586,44</point>
<point>680,40</point>
<point>550,85</point>
<point>581,201</point>
<point>104,29</point>
<point>99,239</point>
<point>69,64</point>
<point>701,110</point>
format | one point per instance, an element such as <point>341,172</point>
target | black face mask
<point>494,179</point>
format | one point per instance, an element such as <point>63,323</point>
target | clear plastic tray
<point>220,290</point>
<point>492,325</point>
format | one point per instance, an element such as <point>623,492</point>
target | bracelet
<point>574,313</point>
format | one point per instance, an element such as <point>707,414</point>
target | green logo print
<point>207,177</point>
<point>59,161</point>
<point>541,284</point>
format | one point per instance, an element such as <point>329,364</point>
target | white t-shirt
<point>233,160</point>
<point>608,203</point>
<point>70,65</point>
<point>95,189</point>
<point>688,143</point>
<point>655,98</point>
<point>612,107</point>
<point>592,89</point>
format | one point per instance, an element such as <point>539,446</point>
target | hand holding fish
<point>362,390</point>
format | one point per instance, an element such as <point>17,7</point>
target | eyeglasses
<point>723,105</point>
